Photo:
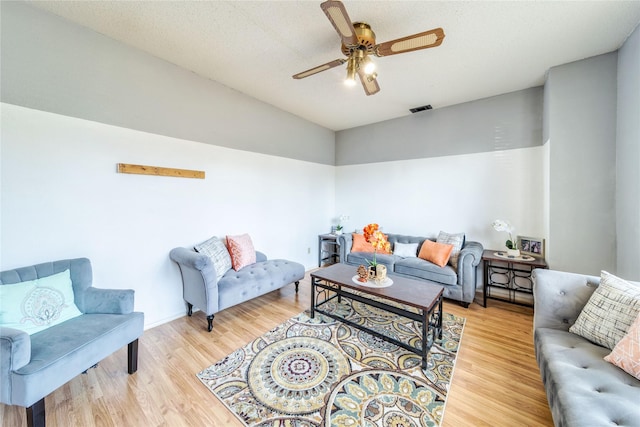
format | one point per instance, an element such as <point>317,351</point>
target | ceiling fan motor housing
<point>366,39</point>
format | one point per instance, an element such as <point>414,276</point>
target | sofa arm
<point>345,241</point>
<point>559,297</point>
<point>191,259</point>
<point>15,352</point>
<point>260,256</point>
<point>468,261</point>
<point>199,279</point>
<point>107,301</point>
<point>471,253</point>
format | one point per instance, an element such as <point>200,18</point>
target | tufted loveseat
<point>201,287</point>
<point>459,284</point>
<point>582,388</point>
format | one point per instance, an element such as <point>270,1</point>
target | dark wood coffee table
<point>426,298</point>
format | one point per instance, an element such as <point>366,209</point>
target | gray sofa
<point>582,388</point>
<point>459,285</point>
<point>32,366</point>
<point>202,289</point>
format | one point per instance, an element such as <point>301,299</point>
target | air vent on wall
<point>423,108</point>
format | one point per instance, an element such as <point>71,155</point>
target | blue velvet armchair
<point>32,366</point>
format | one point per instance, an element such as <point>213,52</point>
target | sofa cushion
<point>61,352</point>
<point>426,270</point>
<point>457,240</point>
<point>257,279</point>
<point>437,253</point>
<point>610,311</point>
<point>35,305</point>
<point>241,251</point>
<point>626,354</point>
<point>215,249</point>
<point>405,249</point>
<point>583,389</point>
<point>365,258</point>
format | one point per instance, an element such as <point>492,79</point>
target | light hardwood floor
<point>496,381</point>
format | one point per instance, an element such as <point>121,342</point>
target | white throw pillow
<point>215,249</point>
<point>610,311</point>
<point>406,249</point>
<point>35,305</point>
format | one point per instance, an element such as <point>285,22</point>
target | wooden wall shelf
<point>159,171</point>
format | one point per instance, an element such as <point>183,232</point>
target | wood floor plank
<point>496,381</point>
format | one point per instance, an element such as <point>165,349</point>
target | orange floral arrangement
<point>378,240</point>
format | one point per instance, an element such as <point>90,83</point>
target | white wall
<point>628,159</point>
<point>62,198</point>
<point>463,193</point>
<point>581,125</point>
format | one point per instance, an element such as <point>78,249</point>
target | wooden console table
<point>509,278</point>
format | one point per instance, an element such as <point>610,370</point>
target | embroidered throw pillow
<point>437,253</point>
<point>457,240</point>
<point>610,311</point>
<point>215,249</point>
<point>406,249</point>
<point>35,305</point>
<point>241,250</point>
<point>626,354</point>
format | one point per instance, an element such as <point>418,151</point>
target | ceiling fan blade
<point>427,39</point>
<point>319,69</point>
<point>339,18</point>
<point>369,83</point>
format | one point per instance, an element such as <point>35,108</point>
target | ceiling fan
<point>359,42</point>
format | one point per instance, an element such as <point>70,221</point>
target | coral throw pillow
<point>241,250</point>
<point>626,354</point>
<point>437,253</point>
<point>360,244</point>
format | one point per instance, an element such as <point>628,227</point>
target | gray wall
<point>512,120</point>
<point>580,99</point>
<point>628,159</point>
<point>53,65</point>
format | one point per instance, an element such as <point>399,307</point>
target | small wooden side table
<point>510,278</point>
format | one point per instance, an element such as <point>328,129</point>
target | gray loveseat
<point>459,284</point>
<point>32,366</point>
<point>582,388</point>
<point>202,289</point>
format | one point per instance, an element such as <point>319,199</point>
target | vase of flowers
<point>378,240</point>
<point>502,225</point>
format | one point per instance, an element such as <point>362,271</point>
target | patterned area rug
<point>321,372</point>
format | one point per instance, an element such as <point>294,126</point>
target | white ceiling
<point>255,47</point>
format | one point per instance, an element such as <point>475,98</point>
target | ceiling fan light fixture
<point>358,43</point>
<point>369,66</point>
<point>351,72</point>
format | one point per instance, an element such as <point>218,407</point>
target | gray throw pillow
<point>457,240</point>
<point>610,311</point>
<point>215,249</point>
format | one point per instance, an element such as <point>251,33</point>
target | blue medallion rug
<point>321,372</point>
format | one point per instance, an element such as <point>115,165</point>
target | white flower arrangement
<point>502,225</point>
<point>342,219</point>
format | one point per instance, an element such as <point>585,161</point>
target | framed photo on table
<point>533,246</point>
